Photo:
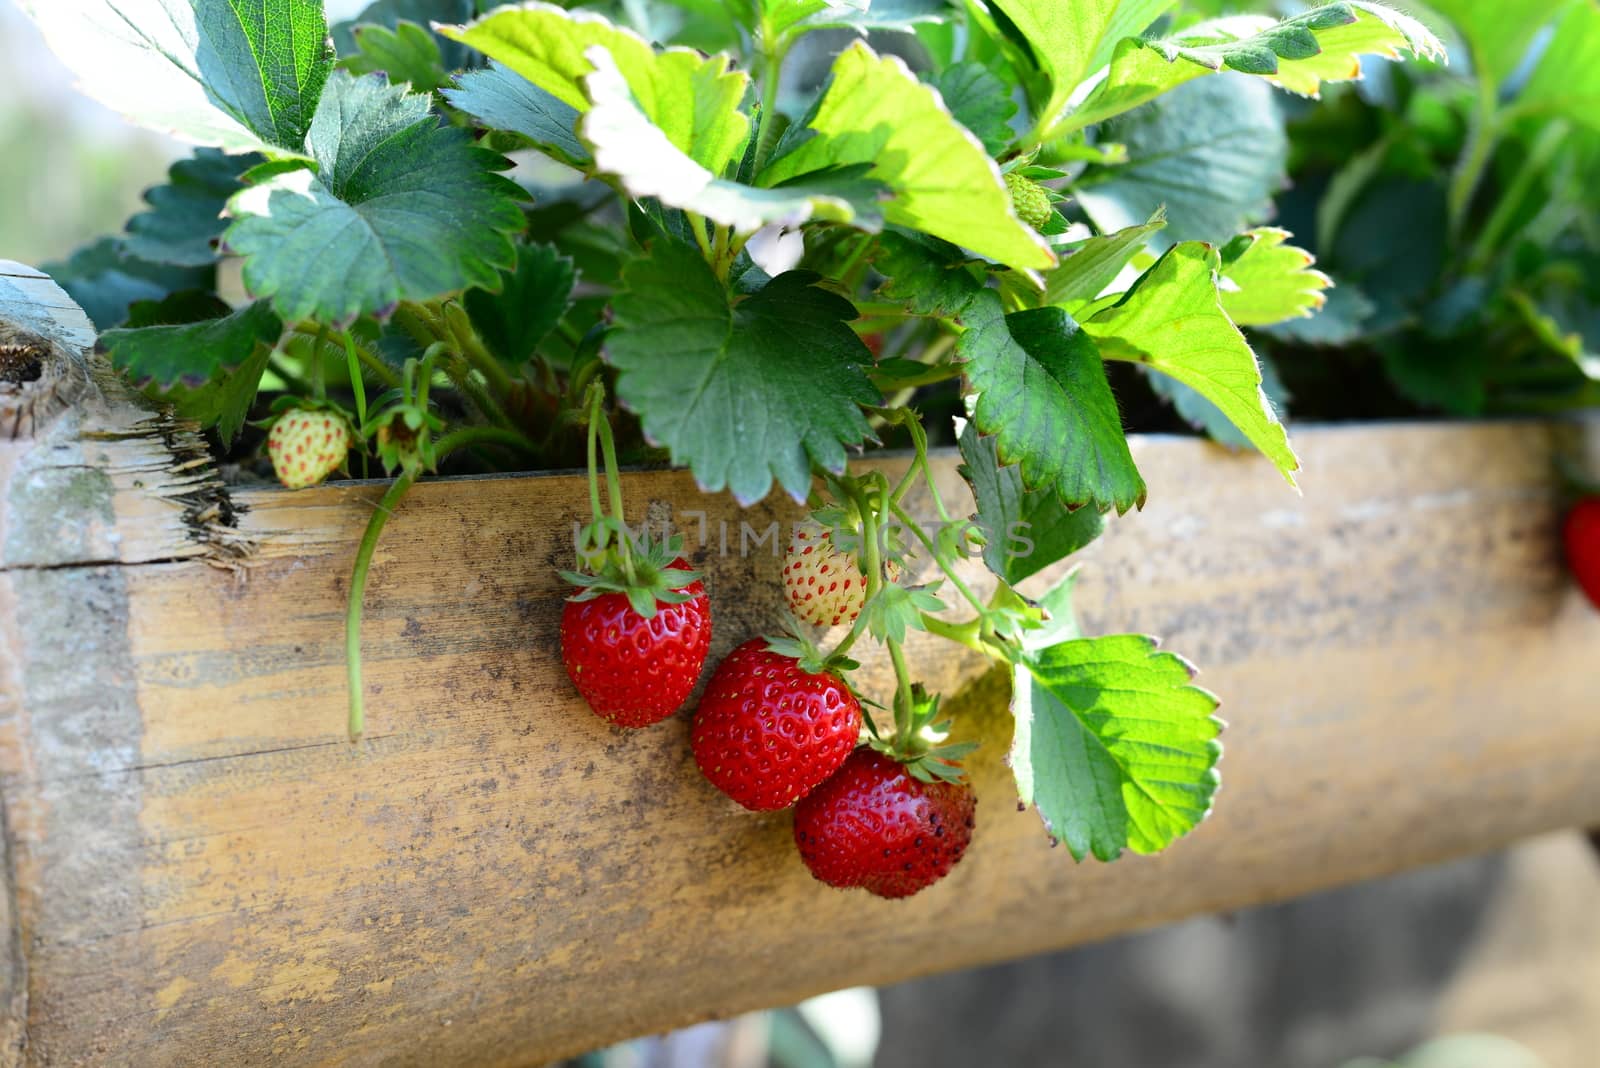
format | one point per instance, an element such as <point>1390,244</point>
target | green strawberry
<point>1029,200</point>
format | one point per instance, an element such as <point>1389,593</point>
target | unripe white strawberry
<point>824,584</point>
<point>306,446</point>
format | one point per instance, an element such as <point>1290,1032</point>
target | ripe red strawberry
<point>824,584</point>
<point>307,445</point>
<point>875,826</point>
<point>635,671</point>
<point>768,731</point>
<point>1582,534</point>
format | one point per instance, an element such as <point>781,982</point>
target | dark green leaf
<point>189,306</point>
<point>533,297</point>
<point>1026,530</point>
<point>741,394</point>
<point>980,102</point>
<point>208,370</point>
<point>400,209</point>
<point>185,216</point>
<point>1042,392</point>
<point>104,280</point>
<point>501,98</point>
<point>1114,745</point>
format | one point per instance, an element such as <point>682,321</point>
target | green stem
<point>596,413</point>
<point>608,450</point>
<point>357,384</point>
<point>902,700</point>
<point>771,82</point>
<point>944,566</point>
<point>358,589</point>
<point>969,634</point>
<point>319,385</point>
<point>1481,140</point>
<point>468,344</point>
<point>849,487</point>
<point>1544,149</point>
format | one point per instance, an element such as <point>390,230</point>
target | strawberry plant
<point>749,237</point>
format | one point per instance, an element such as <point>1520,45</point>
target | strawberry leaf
<point>1172,321</point>
<point>1026,530</point>
<point>1299,54</point>
<point>185,216</point>
<point>1042,393</point>
<point>532,298</point>
<point>208,371</point>
<point>502,99</point>
<point>897,609</point>
<point>1069,39</point>
<point>238,74</point>
<point>400,208</point>
<point>875,112</point>
<point>389,14</point>
<point>979,101</point>
<point>1213,154</point>
<point>695,100</point>
<point>625,143</point>
<point>1266,281</point>
<point>742,394</point>
<point>406,53</point>
<point>1041,386</point>
<point>104,280</point>
<point>1092,265</point>
<point>1113,744</point>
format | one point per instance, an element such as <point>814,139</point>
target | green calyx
<point>641,572</point>
<point>813,661</point>
<point>920,741</point>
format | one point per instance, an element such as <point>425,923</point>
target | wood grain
<point>493,877</point>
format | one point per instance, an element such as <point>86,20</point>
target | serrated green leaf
<point>401,208</point>
<point>406,53</point>
<point>1042,393</point>
<point>1041,387</point>
<point>502,99</point>
<point>1026,530</point>
<point>1172,321</point>
<point>742,394</point>
<point>388,14</point>
<point>1266,281</point>
<point>189,306</point>
<point>626,144</point>
<point>1213,153</point>
<point>104,280</point>
<point>238,74</point>
<point>979,101</point>
<point>1092,265</point>
<point>185,216</point>
<point>1205,416</point>
<point>1070,38</point>
<point>1114,745</point>
<point>693,99</point>
<point>1341,321</point>
<point>876,112</point>
<point>533,296</point>
<point>207,370</point>
<point>1321,45</point>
